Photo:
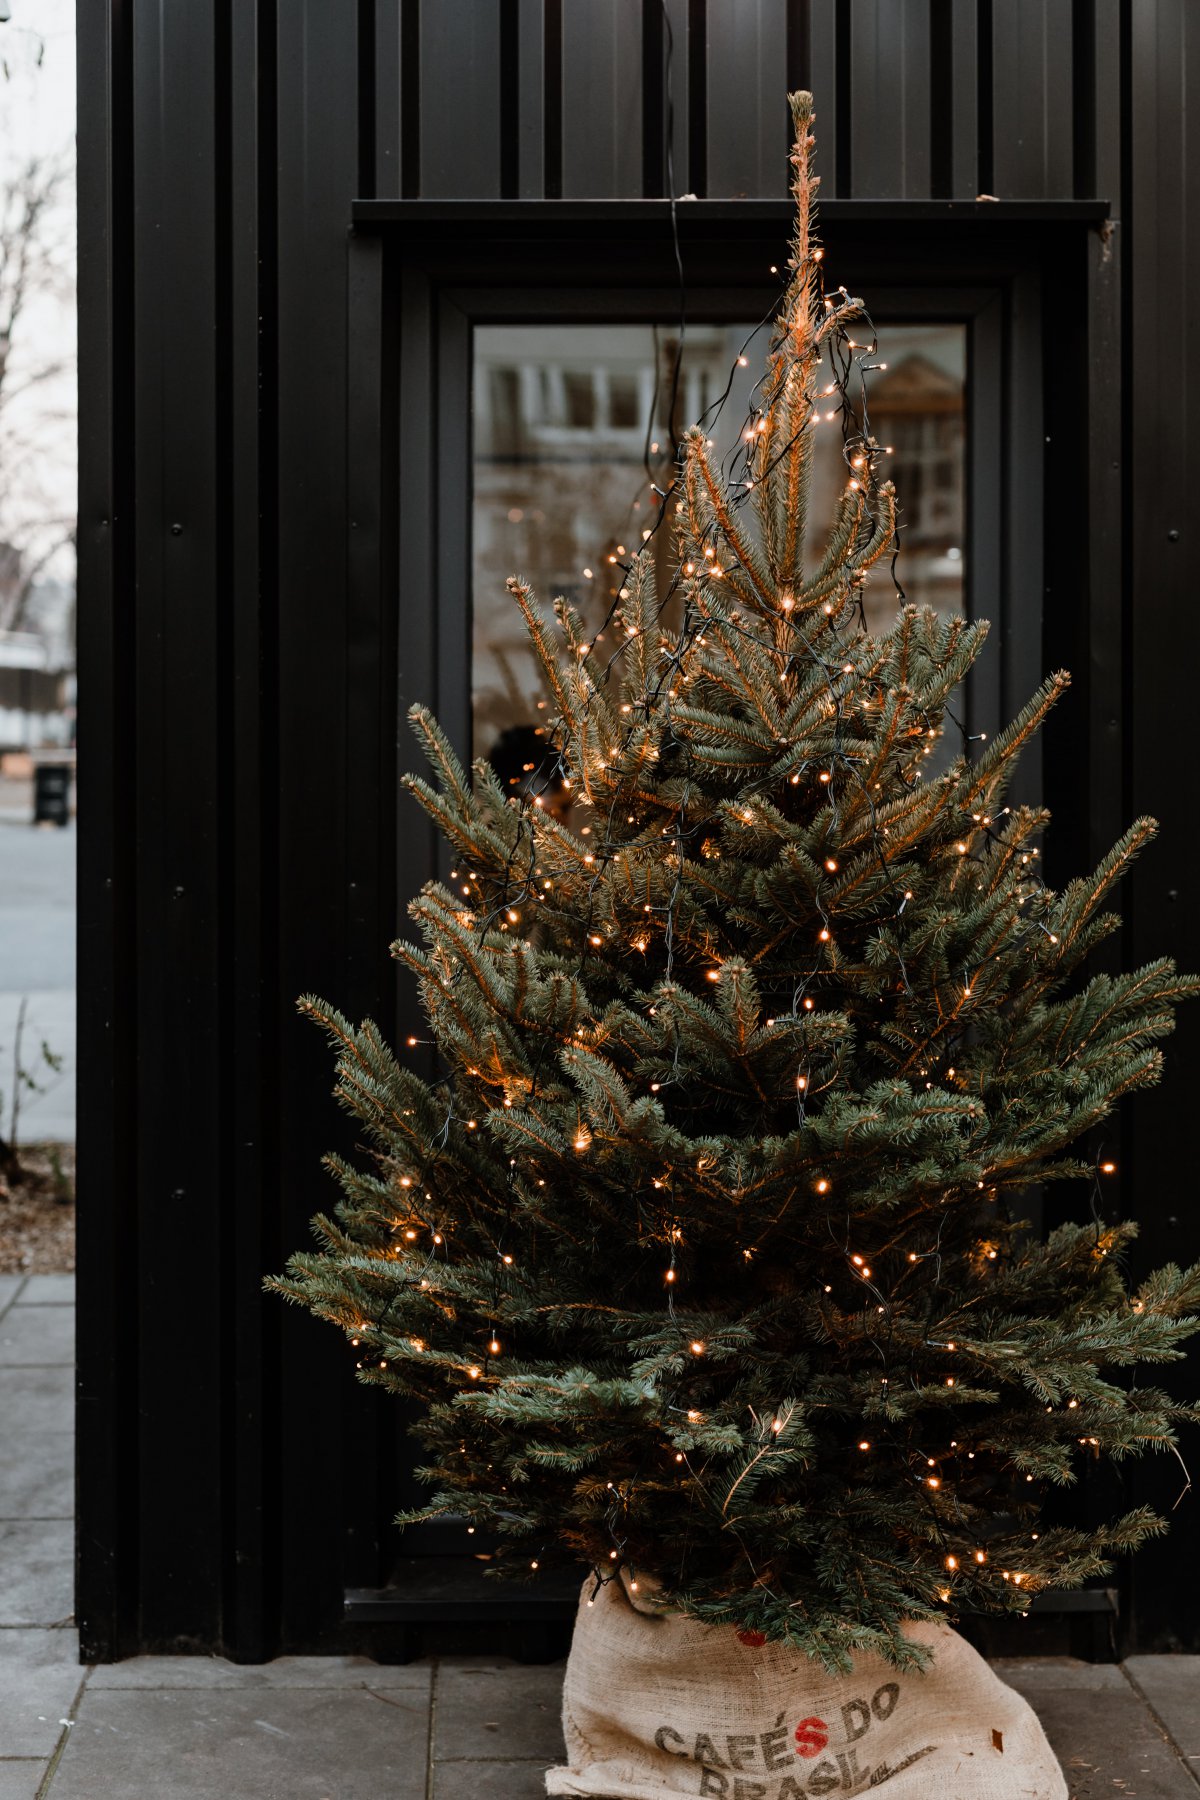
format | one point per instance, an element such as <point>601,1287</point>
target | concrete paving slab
<point>20,1780</point>
<point>39,1679</point>
<point>489,1709</point>
<point>288,1744</point>
<point>1104,1735</point>
<point>283,1672</point>
<point>1172,1686</point>
<point>36,1571</point>
<point>38,1482</point>
<point>31,1336</point>
<point>490,1781</point>
<point>35,1399</point>
<point>10,1287</point>
<point>49,1290</point>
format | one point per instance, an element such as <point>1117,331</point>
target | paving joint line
<point>43,1786</point>
<point>429,1730</point>
<point>9,1304</point>
<point>488,1762</point>
<point>1150,1707</point>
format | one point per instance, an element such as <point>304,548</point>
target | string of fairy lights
<point>721,553</point>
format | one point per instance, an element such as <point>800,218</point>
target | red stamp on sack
<point>812,1735</point>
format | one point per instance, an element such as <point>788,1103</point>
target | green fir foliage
<point>702,1251</point>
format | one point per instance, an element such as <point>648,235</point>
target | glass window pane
<point>560,487</point>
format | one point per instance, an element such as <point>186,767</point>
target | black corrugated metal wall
<point>238,632</point>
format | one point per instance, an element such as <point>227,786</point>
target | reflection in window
<point>561,492</point>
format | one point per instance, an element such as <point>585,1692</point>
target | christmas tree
<point>703,1251</point>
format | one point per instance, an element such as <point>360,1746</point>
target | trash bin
<point>51,793</point>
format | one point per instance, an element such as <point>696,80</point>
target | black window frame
<point>423,274</point>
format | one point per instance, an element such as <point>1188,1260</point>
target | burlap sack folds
<point>656,1704</point>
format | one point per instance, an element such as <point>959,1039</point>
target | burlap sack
<point>661,1704</point>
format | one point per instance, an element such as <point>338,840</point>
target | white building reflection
<point>565,418</point>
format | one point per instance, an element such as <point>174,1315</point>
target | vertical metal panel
<point>1107,122</point>
<point>697,93</point>
<point>531,125</point>
<point>675,69</point>
<point>252,1498</point>
<point>388,75</point>
<point>316,161</point>
<point>106,1365</point>
<point>181,1120</point>
<point>602,111</point>
<point>1031,61</point>
<point>1163,390</point>
<point>890,137</point>
<point>823,64</point>
<point>962,99</point>
<point>748,127</point>
<point>460,100</point>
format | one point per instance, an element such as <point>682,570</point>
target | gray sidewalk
<point>344,1728</point>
